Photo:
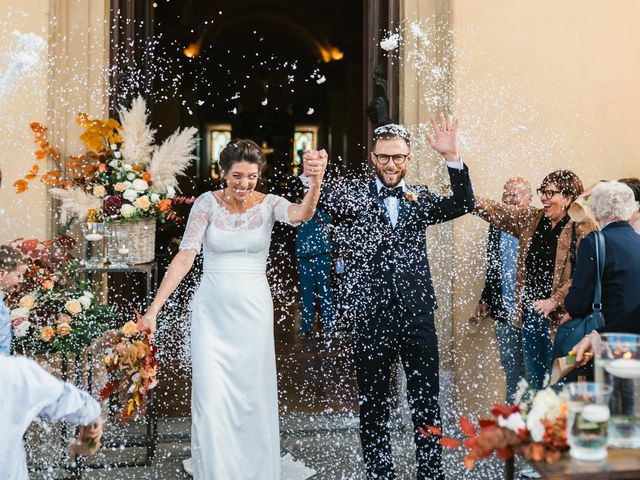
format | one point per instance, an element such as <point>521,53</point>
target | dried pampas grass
<point>76,203</point>
<point>137,134</point>
<point>172,158</point>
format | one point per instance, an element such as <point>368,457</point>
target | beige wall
<point>538,85</point>
<point>72,78</point>
<point>25,101</point>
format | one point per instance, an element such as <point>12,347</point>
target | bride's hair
<point>239,150</point>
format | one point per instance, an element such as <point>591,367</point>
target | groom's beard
<point>390,176</point>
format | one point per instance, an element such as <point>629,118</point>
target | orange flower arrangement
<point>535,426</point>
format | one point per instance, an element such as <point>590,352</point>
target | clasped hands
<point>314,163</point>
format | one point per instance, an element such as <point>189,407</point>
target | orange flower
<point>47,334</point>
<point>146,176</point>
<point>130,328</point>
<point>102,167</point>
<point>63,329</point>
<point>138,167</point>
<point>47,284</point>
<point>164,205</point>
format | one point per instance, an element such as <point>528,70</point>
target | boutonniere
<point>411,196</point>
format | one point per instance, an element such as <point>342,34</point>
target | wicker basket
<point>142,239</point>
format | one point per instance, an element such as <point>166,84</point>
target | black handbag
<point>571,332</point>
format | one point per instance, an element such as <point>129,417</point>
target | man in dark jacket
<point>388,288</point>
<point>498,295</point>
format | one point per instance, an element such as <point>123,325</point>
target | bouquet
<point>535,426</point>
<point>131,357</point>
<point>122,175</point>
<point>53,310</point>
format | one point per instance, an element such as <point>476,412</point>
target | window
<point>304,138</point>
<point>219,136</point>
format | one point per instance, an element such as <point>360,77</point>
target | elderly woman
<point>612,204</point>
<point>547,242</point>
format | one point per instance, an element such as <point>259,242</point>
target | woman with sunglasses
<point>547,242</point>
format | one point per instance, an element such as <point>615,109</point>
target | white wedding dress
<point>234,404</point>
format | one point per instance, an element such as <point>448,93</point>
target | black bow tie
<point>391,192</point>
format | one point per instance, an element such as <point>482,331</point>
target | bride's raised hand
<point>318,171</point>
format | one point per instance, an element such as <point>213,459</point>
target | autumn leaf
<point>504,453</point>
<point>449,442</point>
<point>467,427</point>
<point>434,430</point>
<point>21,186</point>
<point>40,154</point>
<point>33,173</point>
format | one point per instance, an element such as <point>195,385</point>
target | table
<point>621,463</point>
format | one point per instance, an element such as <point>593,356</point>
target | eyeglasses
<point>398,158</point>
<point>547,194</point>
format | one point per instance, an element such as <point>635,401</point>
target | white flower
<point>84,301</point>
<point>127,210</point>
<point>19,312</point>
<point>130,195</point>
<point>22,329</point>
<point>171,191</point>
<point>114,163</point>
<point>155,198</point>
<point>126,166</point>
<point>514,422</point>
<point>117,154</point>
<point>114,146</point>
<point>140,185</point>
<point>535,427</point>
<point>131,176</point>
<point>88,294</point>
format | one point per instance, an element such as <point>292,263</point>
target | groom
<point>388,291</point>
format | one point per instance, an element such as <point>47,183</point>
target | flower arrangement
<point>54,311</point>
<point>411,196</point>
<point>122,175</point>
<point>131,356</point>
<point>535,426</point>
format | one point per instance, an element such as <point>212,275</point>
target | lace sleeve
<point>280,208</point>
<point>197,223</point>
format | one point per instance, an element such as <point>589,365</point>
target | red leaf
<point>449,443</point>
<point>504,453</point>
<point>434,430</point>
<point>424,432</point>
<point>504,410</point>
<point>467,427</point>
<point>487,423</point>
<point>108,390</point>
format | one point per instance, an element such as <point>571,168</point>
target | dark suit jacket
<point>620,279</point>
<point>382,262</point>
<point>492,291</point>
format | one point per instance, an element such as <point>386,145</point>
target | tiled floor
<point>319,424</point>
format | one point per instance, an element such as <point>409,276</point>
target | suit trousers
<point>315,277</point>
<point>377,343</point>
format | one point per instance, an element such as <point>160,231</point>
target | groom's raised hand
<point>445,139</point>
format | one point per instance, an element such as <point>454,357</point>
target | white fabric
<point>290,469</point>
<point>234,402</point>
<point>28,391</point>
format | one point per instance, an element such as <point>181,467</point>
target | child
<point>28,391</point>
<point>12,267</point>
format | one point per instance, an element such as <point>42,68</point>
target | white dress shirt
<point>28,391</point>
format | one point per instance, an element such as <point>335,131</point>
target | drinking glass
<point>119,249</point>
<point>618,365</point>
<point>588,419</point>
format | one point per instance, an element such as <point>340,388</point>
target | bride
<point>234,403</point>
